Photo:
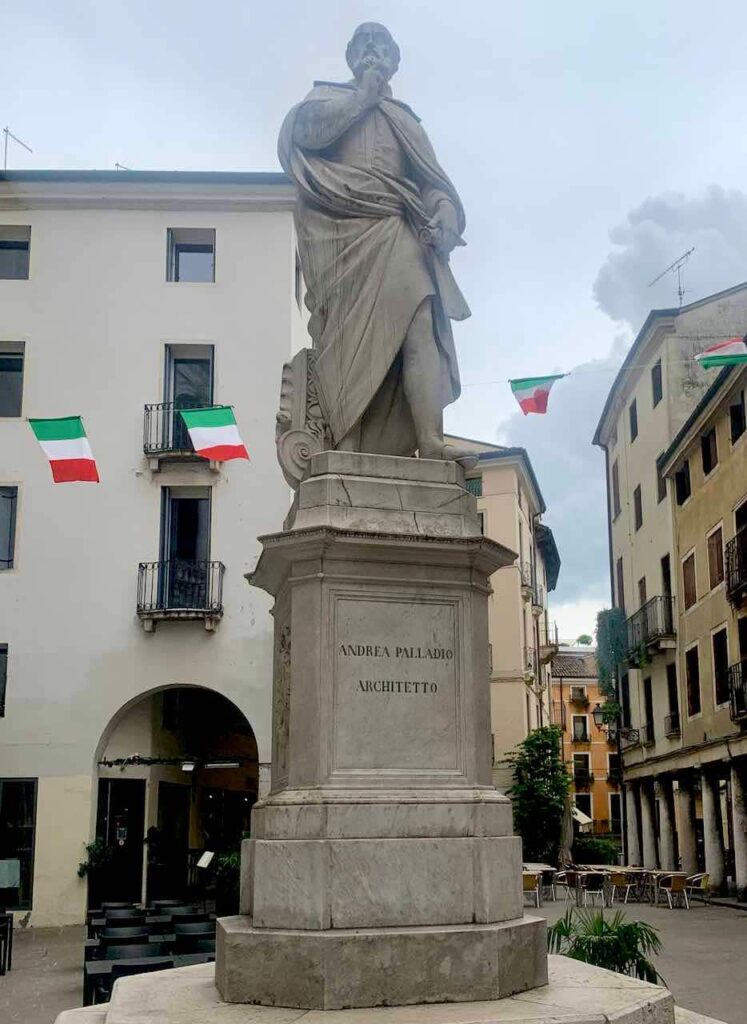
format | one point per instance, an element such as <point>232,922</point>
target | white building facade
<point>128,634</point>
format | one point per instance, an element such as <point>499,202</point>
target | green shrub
<point>595,850</point>
<point>614,943</point>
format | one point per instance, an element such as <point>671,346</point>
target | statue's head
<point>372,45</point>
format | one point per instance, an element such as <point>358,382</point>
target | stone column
<point>739,823</point>
<point>648,827</point>
<point>633,843</point>
<point>712,831</point>
<point>663,793</point>
<point>685,814</point>
<point>264,783</point>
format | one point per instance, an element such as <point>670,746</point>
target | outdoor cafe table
<point>94,969</point>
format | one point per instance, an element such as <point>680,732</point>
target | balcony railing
<point>651,628</point>
<point>579,697</point>
<point>474,485</point>
<point>672,726</point>
<point>646,734</point>
<point>180,589</point>
<point>738,691</point>
<point>165,434</point>
<point>614,775</point>
<point>582,778</point>
<point>538,598</point>
<point>530,663</point>
<point>735,555</point>
<point>548,641</point>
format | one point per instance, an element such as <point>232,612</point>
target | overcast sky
<point>591,144</point>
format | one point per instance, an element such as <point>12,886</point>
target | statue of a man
<point>376,220</point>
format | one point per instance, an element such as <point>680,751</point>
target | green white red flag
<point>214,434</point>
<point>532,393</point>
<point>731,352</point>
<point>65,444</point>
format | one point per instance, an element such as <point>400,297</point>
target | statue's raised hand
<point>371,84</point>
<point>443,229</point>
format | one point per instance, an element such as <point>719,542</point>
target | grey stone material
<point>188,995</point>
<point>339,968</point>
<point>357,883</point>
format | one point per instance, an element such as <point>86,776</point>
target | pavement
<point>702,962</point>
<point>703,958</point>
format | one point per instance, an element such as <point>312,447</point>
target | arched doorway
<point>177,778</point>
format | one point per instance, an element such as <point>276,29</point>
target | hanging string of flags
<point>532,393</point>
<point>213,432</point>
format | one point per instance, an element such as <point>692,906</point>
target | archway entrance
<point>177,778</point>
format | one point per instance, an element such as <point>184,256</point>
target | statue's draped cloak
<point>368,182</point>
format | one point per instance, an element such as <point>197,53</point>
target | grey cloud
<point>571,473</point>
<point>655,234</point>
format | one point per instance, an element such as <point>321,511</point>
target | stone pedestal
<point>382,868</point>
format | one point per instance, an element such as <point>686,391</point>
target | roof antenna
<point>9,135</point>
<point>676,266</point>
<point>121,167</point>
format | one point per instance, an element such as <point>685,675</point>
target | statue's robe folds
<point>368,182</point>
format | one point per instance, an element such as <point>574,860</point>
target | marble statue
<point>376,219</point>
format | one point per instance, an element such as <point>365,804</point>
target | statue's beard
<point>371,60</point>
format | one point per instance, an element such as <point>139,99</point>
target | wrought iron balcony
<point>614,775</point>
<point>579,697</point>
<point>738,691</point>
<point>538,598</point>
<point>651,629</point>
<point>582,778</point>
<point>672,726</point>
<point>530,663</point>
<point>735,555</point>
<point>165,436</point>
<point>548,641</point>
<point>180,589</point>
<point>474,485</point>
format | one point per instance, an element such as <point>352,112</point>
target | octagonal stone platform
<point>575,994</point>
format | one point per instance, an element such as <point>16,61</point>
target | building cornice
<point>146,190</point>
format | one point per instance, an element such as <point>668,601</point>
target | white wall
<point>95,316</point>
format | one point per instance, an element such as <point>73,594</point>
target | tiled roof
<point>574,666</point>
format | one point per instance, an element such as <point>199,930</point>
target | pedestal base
<point>575,994</point>
<point>341,968</point>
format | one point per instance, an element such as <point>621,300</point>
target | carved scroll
<point>300,430</point>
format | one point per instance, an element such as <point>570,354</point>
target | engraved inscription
<point>395,685</point>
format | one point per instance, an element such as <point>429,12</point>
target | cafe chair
<point>592,884</point>
<point>620,882</point>
<point>699,885</point>
<point>137,950</point>
<point>674,888</point>
<point>531,885</point>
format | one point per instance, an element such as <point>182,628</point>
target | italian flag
<point>532,392</point>
<point>214,434</point>
<point>724,353</point>
<point>65,444</point>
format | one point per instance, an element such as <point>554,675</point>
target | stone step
<point>576,994</point>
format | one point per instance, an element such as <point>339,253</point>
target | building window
<point>656,388</point>
<point>191,254</point>
<point>8,502</point>
<point>692,675</point>
<point>474,486</point>
<point>620,585</point>
<point>715,544</point>
<point>648,709</point>
<point>688,580</point>
<point>720,645</point>
<point>633,414</point>
<point>581,728</point>
<point>661,485</point>
<point>638,507</point>
<point>3,677</point>
<point>615,490</point>
<point>481,517</point>
<point>682,483</point>
<point>737,418</point>
<point>17,827</point>
<point>641,591</point>
<point>672,694</point>
<point>709,451</point>
<point>583,800</point>
<point>615,813</point>
<point>613,766</point>
<point>15,241</point>
<point>11,378</point>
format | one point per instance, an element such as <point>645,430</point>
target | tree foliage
<point>614,943</point>
<point>612,644</point>
<point>539,793</point>
<point>585,640</point>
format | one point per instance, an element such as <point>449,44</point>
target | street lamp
<point>614,728</point>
